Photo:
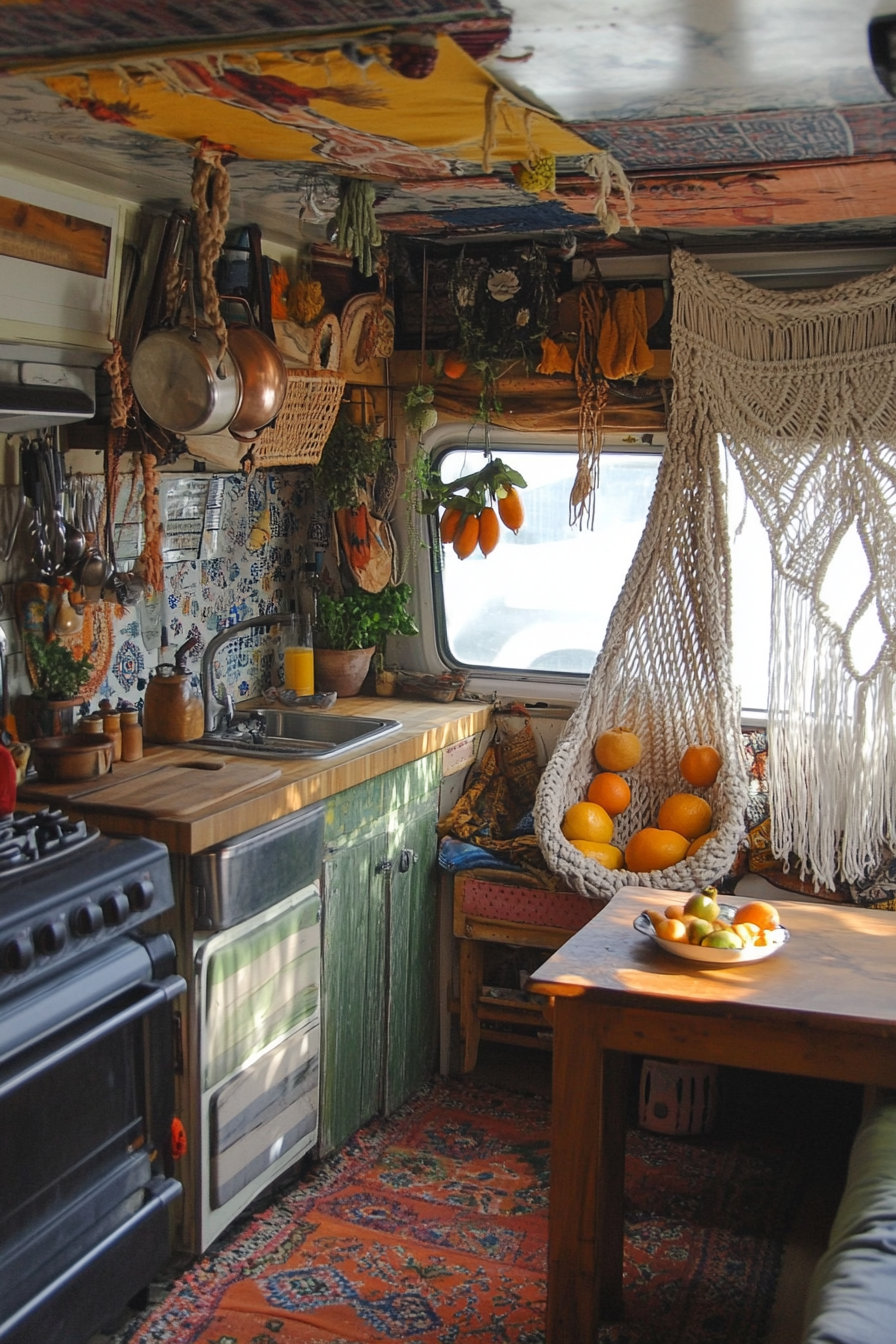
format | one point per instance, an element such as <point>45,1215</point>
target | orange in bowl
<point>587,821</point>
<point>611,792</point>
<point>685,813</point>
<point>652,849</point>
<point>607,855</point>
<point>760,913</point>
<point>700,765</point>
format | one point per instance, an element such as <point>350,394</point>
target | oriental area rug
<point>432,1226</point>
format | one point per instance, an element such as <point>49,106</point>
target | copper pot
<point>263,374</point>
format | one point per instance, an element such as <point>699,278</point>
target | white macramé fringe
<point>802,388</point>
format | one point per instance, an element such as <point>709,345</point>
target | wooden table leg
<point>585,1237</point>
<point>470,957</point>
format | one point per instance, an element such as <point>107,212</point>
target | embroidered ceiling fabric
<point>802,386</point>
<point>304,104</point>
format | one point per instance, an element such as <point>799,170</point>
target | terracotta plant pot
<point>341,670</point>
<point>37,717</point>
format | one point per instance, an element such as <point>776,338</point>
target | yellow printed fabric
<point>319,106</point>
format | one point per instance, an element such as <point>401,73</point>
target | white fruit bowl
<point>711,956</point>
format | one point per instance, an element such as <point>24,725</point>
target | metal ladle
<point>94,570</point>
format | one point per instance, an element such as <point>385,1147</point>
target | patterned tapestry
<point>356,103</point>
<point>72,27</point>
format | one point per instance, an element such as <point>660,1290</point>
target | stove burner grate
<point>32,838</point>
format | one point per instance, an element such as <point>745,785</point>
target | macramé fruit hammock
<point>801,387</point>
<point>665,672</point>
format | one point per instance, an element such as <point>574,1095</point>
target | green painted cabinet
<point>379,1011</point>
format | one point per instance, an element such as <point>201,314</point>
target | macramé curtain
<point>802,388</point>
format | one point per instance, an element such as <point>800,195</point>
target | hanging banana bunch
<point>357,230</point>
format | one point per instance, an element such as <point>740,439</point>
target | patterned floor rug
<point>432,1226</point>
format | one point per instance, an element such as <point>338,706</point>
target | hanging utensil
<point>181,380</point>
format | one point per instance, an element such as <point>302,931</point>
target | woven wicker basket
<point>310,407</point>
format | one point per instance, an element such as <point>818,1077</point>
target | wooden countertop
<point>426,727</point>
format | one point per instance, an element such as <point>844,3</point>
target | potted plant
<point>58,677</point>
<point>351,628</point>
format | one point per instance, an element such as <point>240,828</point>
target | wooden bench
<point>493,906</point>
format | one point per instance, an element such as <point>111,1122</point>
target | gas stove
<point>66,890</point>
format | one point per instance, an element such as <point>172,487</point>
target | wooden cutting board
<point>35,790</point>
<point>179,790</point>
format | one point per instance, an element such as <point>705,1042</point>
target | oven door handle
<point>146,997</point>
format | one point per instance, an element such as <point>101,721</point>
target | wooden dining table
<point>824,1005</point>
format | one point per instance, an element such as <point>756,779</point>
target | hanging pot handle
<point>261,283</point>
<point>243,303</point>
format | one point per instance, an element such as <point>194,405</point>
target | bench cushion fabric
<point>852,1297</point>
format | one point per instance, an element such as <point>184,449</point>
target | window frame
<point>457,435</point>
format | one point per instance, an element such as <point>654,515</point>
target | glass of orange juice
<point>298,657</point>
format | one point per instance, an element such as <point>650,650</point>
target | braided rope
<point>592,391</point>
<point>211,201</point>
<point>116,366</point>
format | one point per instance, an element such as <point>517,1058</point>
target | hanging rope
<point>610,176</point>
<point>592,391</point>
<point>211,201</point>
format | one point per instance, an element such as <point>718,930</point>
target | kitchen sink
<point>294,734</point>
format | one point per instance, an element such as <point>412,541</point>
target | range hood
<point>42,386</point>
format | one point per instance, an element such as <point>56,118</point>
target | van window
<point>542,599</point>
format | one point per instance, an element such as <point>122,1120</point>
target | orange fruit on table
<point>700,765</point>
<point>672,931</point>
<point>761,913</point>
<point>685,813</point>
<point>587,821</point>
<point>618,749</point>
<point>510,507</point>
<point>652,849</point>
<point>608,855</point>
<point>466,537</point>
<point>489,530</point>
<point>451,520</point>
<point>701,840</point>
<point>611,791</point>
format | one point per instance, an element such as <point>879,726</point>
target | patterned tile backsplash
<point>257,569</point>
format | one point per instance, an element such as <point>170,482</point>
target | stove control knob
<point>86,919</point>
<point>140,894</point>
<point>116,908</point>
<point>18,954</point>
<point>51,937</point>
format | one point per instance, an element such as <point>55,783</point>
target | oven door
<point>257,1006</point>
<point>83,1133</point>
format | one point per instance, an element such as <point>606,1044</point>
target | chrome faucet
<point>210,700</point>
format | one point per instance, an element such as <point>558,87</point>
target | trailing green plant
<point>350,454</point>
<point>58,674</point>
<point>362,620</point>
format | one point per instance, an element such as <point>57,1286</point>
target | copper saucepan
<point>263,373</point>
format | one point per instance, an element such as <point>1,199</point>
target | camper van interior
<point>448,668</point>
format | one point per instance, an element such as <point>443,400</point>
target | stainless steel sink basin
<point>290,734</point>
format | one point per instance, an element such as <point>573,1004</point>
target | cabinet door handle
<point>408,856</point>
<point>384,866</point>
